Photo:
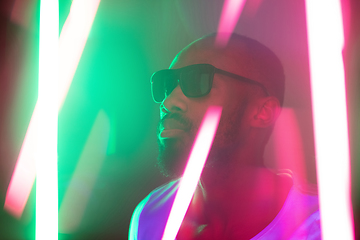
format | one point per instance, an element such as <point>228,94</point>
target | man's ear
<point>266,113</point>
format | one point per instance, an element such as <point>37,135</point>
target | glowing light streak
<point>73,38</point>
<point>192,171</point>
<point>71,45</point>
<point>229,17</point>
<point>24,174</point>
<point>326,40</point>
<point>77,195</point>
<point>290,153</point>
<point>47,123</point>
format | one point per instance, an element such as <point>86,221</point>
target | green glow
<point>77,195</point>
<point>47,123</point>
<point>111,149</point>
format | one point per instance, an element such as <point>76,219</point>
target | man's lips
<point>172,128</point>
<point>171,133</point>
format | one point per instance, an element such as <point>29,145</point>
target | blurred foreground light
<point>326,41</point>
<point>71,45</point>
<point>289,154</point>
<point>73,38</point>
<point>229,17</point>
<point>47,123</point>
<point>194,167</point>
<point>87,169</point>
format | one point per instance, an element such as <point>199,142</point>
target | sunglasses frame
<point>212,70</point>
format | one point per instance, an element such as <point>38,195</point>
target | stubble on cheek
<point>228,137</point>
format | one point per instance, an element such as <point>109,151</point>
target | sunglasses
<point>195,81</point>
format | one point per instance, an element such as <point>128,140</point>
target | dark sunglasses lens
<point>157,87</point>
<point>162,83</point>
<point>196,82</point>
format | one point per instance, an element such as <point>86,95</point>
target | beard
<point>174,152</point>
<point>228,138</point>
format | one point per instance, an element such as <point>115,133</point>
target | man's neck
<point>246,198</point>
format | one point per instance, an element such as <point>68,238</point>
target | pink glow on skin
<point>194,167</point>
<point>72,41</point>
<point>326,42</point>
<point>229,17</point>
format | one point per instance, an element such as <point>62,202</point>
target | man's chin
<point>171,160</point>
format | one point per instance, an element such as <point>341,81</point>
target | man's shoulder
<point>159,198</point>
<point>299,217</point>
<point>150,215</point>
<point>310,229</point>
<point>162,194</point>
<point>301,212</point>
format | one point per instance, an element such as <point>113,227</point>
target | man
<point>237,197</point>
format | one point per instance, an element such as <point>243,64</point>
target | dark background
<point>128,41</point>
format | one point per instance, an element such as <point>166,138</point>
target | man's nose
<point>176,101</point>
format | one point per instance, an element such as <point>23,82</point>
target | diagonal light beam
<point>326,42</point>
<point>87,169</point>
<point>229,17</point>
<point>194,167</point>
<point>72,41</point>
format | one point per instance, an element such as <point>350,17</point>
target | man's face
<point>180,116</point>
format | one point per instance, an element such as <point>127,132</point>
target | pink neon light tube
<point>326,40</point>
<point>192,171</point>
<point>229,17</point>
